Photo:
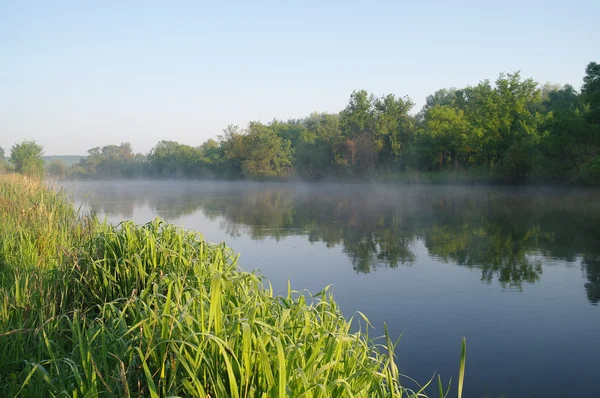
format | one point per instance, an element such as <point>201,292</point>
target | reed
<point>90,309</point>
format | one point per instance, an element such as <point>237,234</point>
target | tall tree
<point>357,117</point>
<point>499,115</point>
<point>591,91</point>
<point>110,161</point>
<point>393,126</point>
<point>170,158</point>
<point>448,133</point>
<point>3,165</point>
<point>26,158</point>
<point>444,96</point>
<point>264,153</point>
<point>567,136</point>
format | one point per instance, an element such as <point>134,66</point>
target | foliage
<point>69,160</point>
<point>57,168</point>
<point>376,130</point>
<point>26,158</point>
<point>110,161</point>
<point>590,92</point>
<point>446,132</point>
<point>91,309</point>
<point>3,163</point>
<point>512,129</point>
<point>171,159</point>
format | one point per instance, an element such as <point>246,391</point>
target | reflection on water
<point>513,270</point>
<point>507,234</point>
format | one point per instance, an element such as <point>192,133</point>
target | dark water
<point>514,270</point>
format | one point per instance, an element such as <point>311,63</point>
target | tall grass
<point>89,309</point>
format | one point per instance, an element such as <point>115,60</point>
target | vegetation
<point>69,160</point>
<point>57,168</point>
<point>3,164</point>
<point>509,130</point>
<point>89,309</point>
<point>26,158</point>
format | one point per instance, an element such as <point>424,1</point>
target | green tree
<point>447,131</point>
<point>319,147</point>
<point>172,159</point>
<point>110,161</point>
<point>264,154</point>
<point>232,145</point>
<point>26,158</point>
<point>591,91</point>
<point>512,127</point>
<point>567,137</point>
<point>3,165</point>
<point>376,131</point>
<point>393,126</point>
<point>57,168</point>
<point>357,122</point>
<point>211,155</point>
<point>444,96</point>
<point>499,115</point>
<point>358,116</point>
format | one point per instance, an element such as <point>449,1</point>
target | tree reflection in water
<point>507,233</point>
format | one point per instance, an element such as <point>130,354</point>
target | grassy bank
<point>89,309</point>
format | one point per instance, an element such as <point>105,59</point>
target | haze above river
<point>514,270</point>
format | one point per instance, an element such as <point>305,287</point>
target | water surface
<point>515,270</point>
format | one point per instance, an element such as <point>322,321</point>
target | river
<point>514,270</point>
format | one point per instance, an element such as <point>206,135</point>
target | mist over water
<point>515,270</point>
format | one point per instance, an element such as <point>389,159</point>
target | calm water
<point>516,271</point>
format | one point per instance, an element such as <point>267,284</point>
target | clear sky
<point>79,74</point>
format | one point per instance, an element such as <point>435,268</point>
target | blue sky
<point>79,74</point>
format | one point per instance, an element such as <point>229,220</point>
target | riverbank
<point>94,309</point>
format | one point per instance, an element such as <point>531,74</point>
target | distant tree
<point>358,116</point>
<point>26,158</point>
<point>591,91</point>
<point>211,152</point>
<point>393,126</point>
<point>444,96</point>
<point>318,145</point>
<point>448,133</point>
<point>57,168</point>
<point>172,159</point>
<point>499,115</point>
<point>264,154</point>
<point>110,161</point>
<point>376,131</point>
<point>513,128</point>
<point>568,137</point>
<point>3,165</point>
<point>547,89</point>
<point>232,146</point>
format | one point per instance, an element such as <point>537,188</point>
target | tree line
<point>512,129</point>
